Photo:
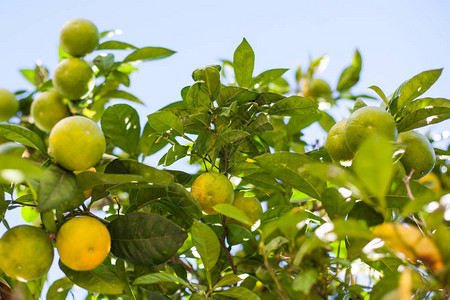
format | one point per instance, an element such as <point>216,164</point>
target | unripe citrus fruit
<point>47,109</point>
<point>83,243</point>
<point>316,88</point>
<point>335,143</point>
<point>211,189</point>
<point>77,143</point>
<point>431,181</point>
<point>26,253</point>
<point>8,105</point>
<point>250,206</point>
<point>366,121</point>
<point>79,37</point>
<point>74,78</point>
<point>419,154</point>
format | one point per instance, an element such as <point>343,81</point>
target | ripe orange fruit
<point>26,253</point>
<point>210,189</point>
<point>419,154</point>
<point>83,243</point>
<point>74,78</point>
<point>79,37</point>
<point>8,105</point>
<point>366,121</point>
<point>47,109</point>
<point>77,143</point>
<point>336,145</point>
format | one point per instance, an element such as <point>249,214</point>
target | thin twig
<point>225,248</point>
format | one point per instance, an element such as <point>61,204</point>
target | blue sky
<point>397,39</point>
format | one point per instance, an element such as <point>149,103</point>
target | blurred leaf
<point>118,94</point>
<point>325,120</point>
<point>289,168</point>
<point>359,103</point>
<point>243,63</point>
<point>87,180</point>
<point>229,279</point>
<point>350,76</point>
<point>23,135</point>
<point>304,281</point>
<point>29,75</point>
<point>59,289</point>
<point>362,211</point>
<point>233,212</point>
<point>164,120</point>
<point>351,228</point>
<point>239,292</point>
<point>145,239</point>
<point>121,123</point>
<point>104,62</point>
<point>115,45</point>
<point>206,243</point>
<point>15,169</point>
<point>99,280</point>
<point>148,53</point>
<point>294,106</point>
<point>267,76</point>
<point>335,205</point>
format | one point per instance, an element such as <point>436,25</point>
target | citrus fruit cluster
<point>345,138</point>
<point>210,189</point>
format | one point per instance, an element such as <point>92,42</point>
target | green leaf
<point>351,228</point>
<point>14,169</point>
<point>29,75</point>
<point>233,212</point>
<point>122,273</point>
<point>88,180</point>
<point>104,62</point>
<point>164,120</point>
<point>261,123</point>
<point>239,292</point>
<point>436,112</point>
<point>237,234</point>
<point>118,94</point>
<point>145,239</point>
<point>335,205</point>
<point>99,280</point>
<point>373,166</point>
<point>121,123</point>
<point>23,135</point>
<point>58,190</point>
<point>229,94</point>
<point>148,53</point>
<point>59,289</point>
<point>150,174</point>
<point>161,277</point>
<point>175,153</point>
<point>243,63</point>
<point>416,86</point>
<point>229,137</point>
<point>198,97</point>
<point>380,93</point>
<point>362,211</point>
<point>294,106</point>
<point>210,78</point>
<point>304,281</point>
<point>206,243</point>
<point>267,77</point>
<point>115,45</point>
<point>229,279</point>
<point>289,168</point>
<point>350,76</point>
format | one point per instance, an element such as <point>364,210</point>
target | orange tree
<point>362,228</point>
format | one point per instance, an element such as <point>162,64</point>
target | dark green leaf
<point>59,289</point>
<point>151,175</point>
<point>161,277</point>
<point>267,76</point>
<point>148,53</point>
<point>350,75</point>
<point>289,168</point>
<point>294,106</point>
<point>99,280</point>
<point>261,123</point>
<point>115,45</point>
<point>239,292</point>
<point>243,63</point>
<point>145,239</point>
<point>229,137</point>
<point>164,120</point>
<point>230,94</point>
<point>237,234</point>
<point>88,180</point>
<point>206,243</point>
<point>121,123</point>
<point>362,211</point>
<point>23,135</point>
<point>118,94</point>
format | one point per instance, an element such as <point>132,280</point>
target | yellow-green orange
<point>419,154</point>
<point>248,205</point>
<point>366,121</point>
<point>26,253</point>
<point>335,144</point>
<point>316,88</point>
<point>83,243</point>
<point>77,143</point>
<point>8,105</point>
<point>79,37</point>
<point>47,109</point>
<point>431,181</point>
<point>74,78</point>
<point>211,189</point>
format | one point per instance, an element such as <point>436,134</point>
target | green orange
<point>316,88</point>
<point>210,189</point>
<point>26,253</point>
<point>77,143</point>
<point>250,206</point>
<point>335,144</point>
<point>47,109</point>
<point>419,154</point>
<point>8,105</point>
<point>79,37</point>
<point>74,78</point>
<point>367,121</point>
